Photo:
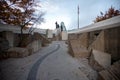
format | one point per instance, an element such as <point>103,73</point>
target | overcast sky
<point>66,11</point>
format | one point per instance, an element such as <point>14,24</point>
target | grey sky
<point>66,11</point>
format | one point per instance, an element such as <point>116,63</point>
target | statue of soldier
<point>57,25</point>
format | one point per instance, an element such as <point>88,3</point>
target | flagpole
<point>78,16</point>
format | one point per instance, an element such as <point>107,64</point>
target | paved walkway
<point>60,66</point>
<point>50,63</point>
<point>33,72</point>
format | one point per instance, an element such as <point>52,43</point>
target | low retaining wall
<point>103,37</point>
<point>107,40</point>
<point>17,52</point>
<point>34,46</point>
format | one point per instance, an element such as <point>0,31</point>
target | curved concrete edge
<point>105,24</point>
<point>33,72</point>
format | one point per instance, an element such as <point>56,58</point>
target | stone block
<point>111,73</point>
<point>49,33</point>
<point>100,60</point>
<point>82,38</point>
<point>78,50</point>
<point>112,42</point>
<point>34,46</point>
<point>99,42</point>
<point>64,35</point>
<point>4,45</point>
<point>18,52</point>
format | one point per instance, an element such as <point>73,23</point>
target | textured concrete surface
<point>104,59</point>
<point>64,35</point>
<point>60,66</point>
<point>100,60</point>
<point>50,64</point>
<point>77,50</point>
<point>105,24</point>
<point>99,42</point>
<point>33,72</point>
<point>111,73</point>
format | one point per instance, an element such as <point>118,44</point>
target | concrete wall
<point>16,29</point>
<point>78,44</point>
<point>112,42</point>
<point>83,38</point>
<point>108,41</point>
<point>34,46</point>
<point>105,40</point>
<point>64,35</point>
<point>72,36</point>
<point>8,35</point>
<point>92,36</point>
<point>23,52</point>
<point>99,42</point>
<point>4,44</point>
<point>105,24</point>
<point>49,34</point>
<point>16,40</point>
<point>43,38</point>
<point>10,38</point>
<point>77,50</point>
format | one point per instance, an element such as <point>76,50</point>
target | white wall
<point>64,35</point>
<point>16,29</point>
<point>105,24</point>
<point>50,34</point>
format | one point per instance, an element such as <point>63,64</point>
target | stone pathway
<point>50,63</point>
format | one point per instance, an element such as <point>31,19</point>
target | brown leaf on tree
<point>108,14</point>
